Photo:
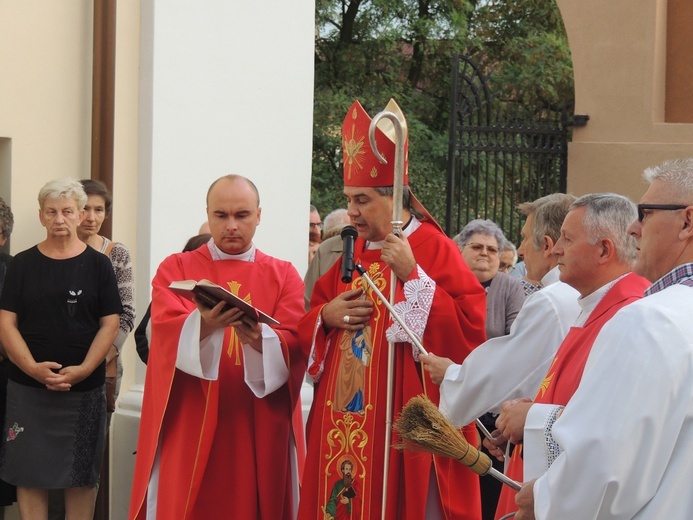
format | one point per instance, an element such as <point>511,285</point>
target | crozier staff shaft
<point>397,190</point>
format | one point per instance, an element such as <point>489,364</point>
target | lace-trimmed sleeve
<point>414,310</point>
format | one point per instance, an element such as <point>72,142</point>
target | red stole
<point>347,419</point>
<point>565,373</point>
<point>222,450</point>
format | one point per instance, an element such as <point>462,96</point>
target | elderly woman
<point>58,318</point>
<point>480,243</point>
<point>96,210</point>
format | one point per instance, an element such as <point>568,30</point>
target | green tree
<point>525,47</point>
<point>374,50</point>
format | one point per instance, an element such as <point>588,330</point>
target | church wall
<point>619,56</point>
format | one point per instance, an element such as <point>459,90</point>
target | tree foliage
<point>374,50</point>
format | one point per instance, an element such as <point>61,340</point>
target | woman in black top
<point>59,315</point>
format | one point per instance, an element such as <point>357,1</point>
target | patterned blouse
<point>122,266</point>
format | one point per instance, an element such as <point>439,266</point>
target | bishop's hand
<point>398,255</point>
<point>347,311</point>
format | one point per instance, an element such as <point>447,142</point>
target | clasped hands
<point>249,331</point>
<point>59,378</point>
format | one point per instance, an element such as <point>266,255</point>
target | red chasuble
<point>347,419</point>
<point>565,373</point>
<point>224,453</point>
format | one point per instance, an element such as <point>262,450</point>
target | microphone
<point>348,234</point>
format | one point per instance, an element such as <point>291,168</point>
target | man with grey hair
<point>629,441</point>
<point>334,222</point>
<point>537,240</point>
<point>595,256</point>
<point>508,258</point>
<point>485,379</point>
<point>543,321</point>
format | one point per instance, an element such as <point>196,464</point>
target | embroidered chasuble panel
<point>353,408</point>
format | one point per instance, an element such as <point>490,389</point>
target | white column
<point>225,87</point>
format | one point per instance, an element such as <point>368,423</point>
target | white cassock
<point>514,365</point>
<point>627,433</point>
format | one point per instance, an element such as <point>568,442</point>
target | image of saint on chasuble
<point>344,473</point>
<point>353,415</point>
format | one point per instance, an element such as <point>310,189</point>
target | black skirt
<point>53,440</point>
<point>8,492</point>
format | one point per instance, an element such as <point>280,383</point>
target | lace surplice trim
<point>553,450</point>
<point>414,310</point>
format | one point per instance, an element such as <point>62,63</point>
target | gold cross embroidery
<point>234,349</point>
<point>547,380</point>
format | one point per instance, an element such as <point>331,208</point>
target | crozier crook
<point>397,190</point>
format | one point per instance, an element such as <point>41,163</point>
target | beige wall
<point>619,57</point>
<point>45,110</point>
<point>45,102</point>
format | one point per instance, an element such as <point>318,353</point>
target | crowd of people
<point>578,361</point>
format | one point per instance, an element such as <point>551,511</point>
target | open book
<point>209,294</point>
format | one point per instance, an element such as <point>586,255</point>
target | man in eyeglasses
<point>314,232</point>
<point>485,380</point>
<point>508,258</point>
<point>626,432</point>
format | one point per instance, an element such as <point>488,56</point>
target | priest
<point>346,337</point>
<point>216,437</point>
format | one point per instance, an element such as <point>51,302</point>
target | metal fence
<point>501,153</point>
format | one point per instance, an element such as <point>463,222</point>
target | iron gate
<point>501,153</point>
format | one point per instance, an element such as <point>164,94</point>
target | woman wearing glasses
<point>481,242</point>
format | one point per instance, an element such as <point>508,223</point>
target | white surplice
<point>627,432</point>
<point>514,365</point>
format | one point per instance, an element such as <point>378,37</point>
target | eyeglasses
<point>478,248</point>
<point>316,224</point>
<point>507,269</point>
<point>665,207</point>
